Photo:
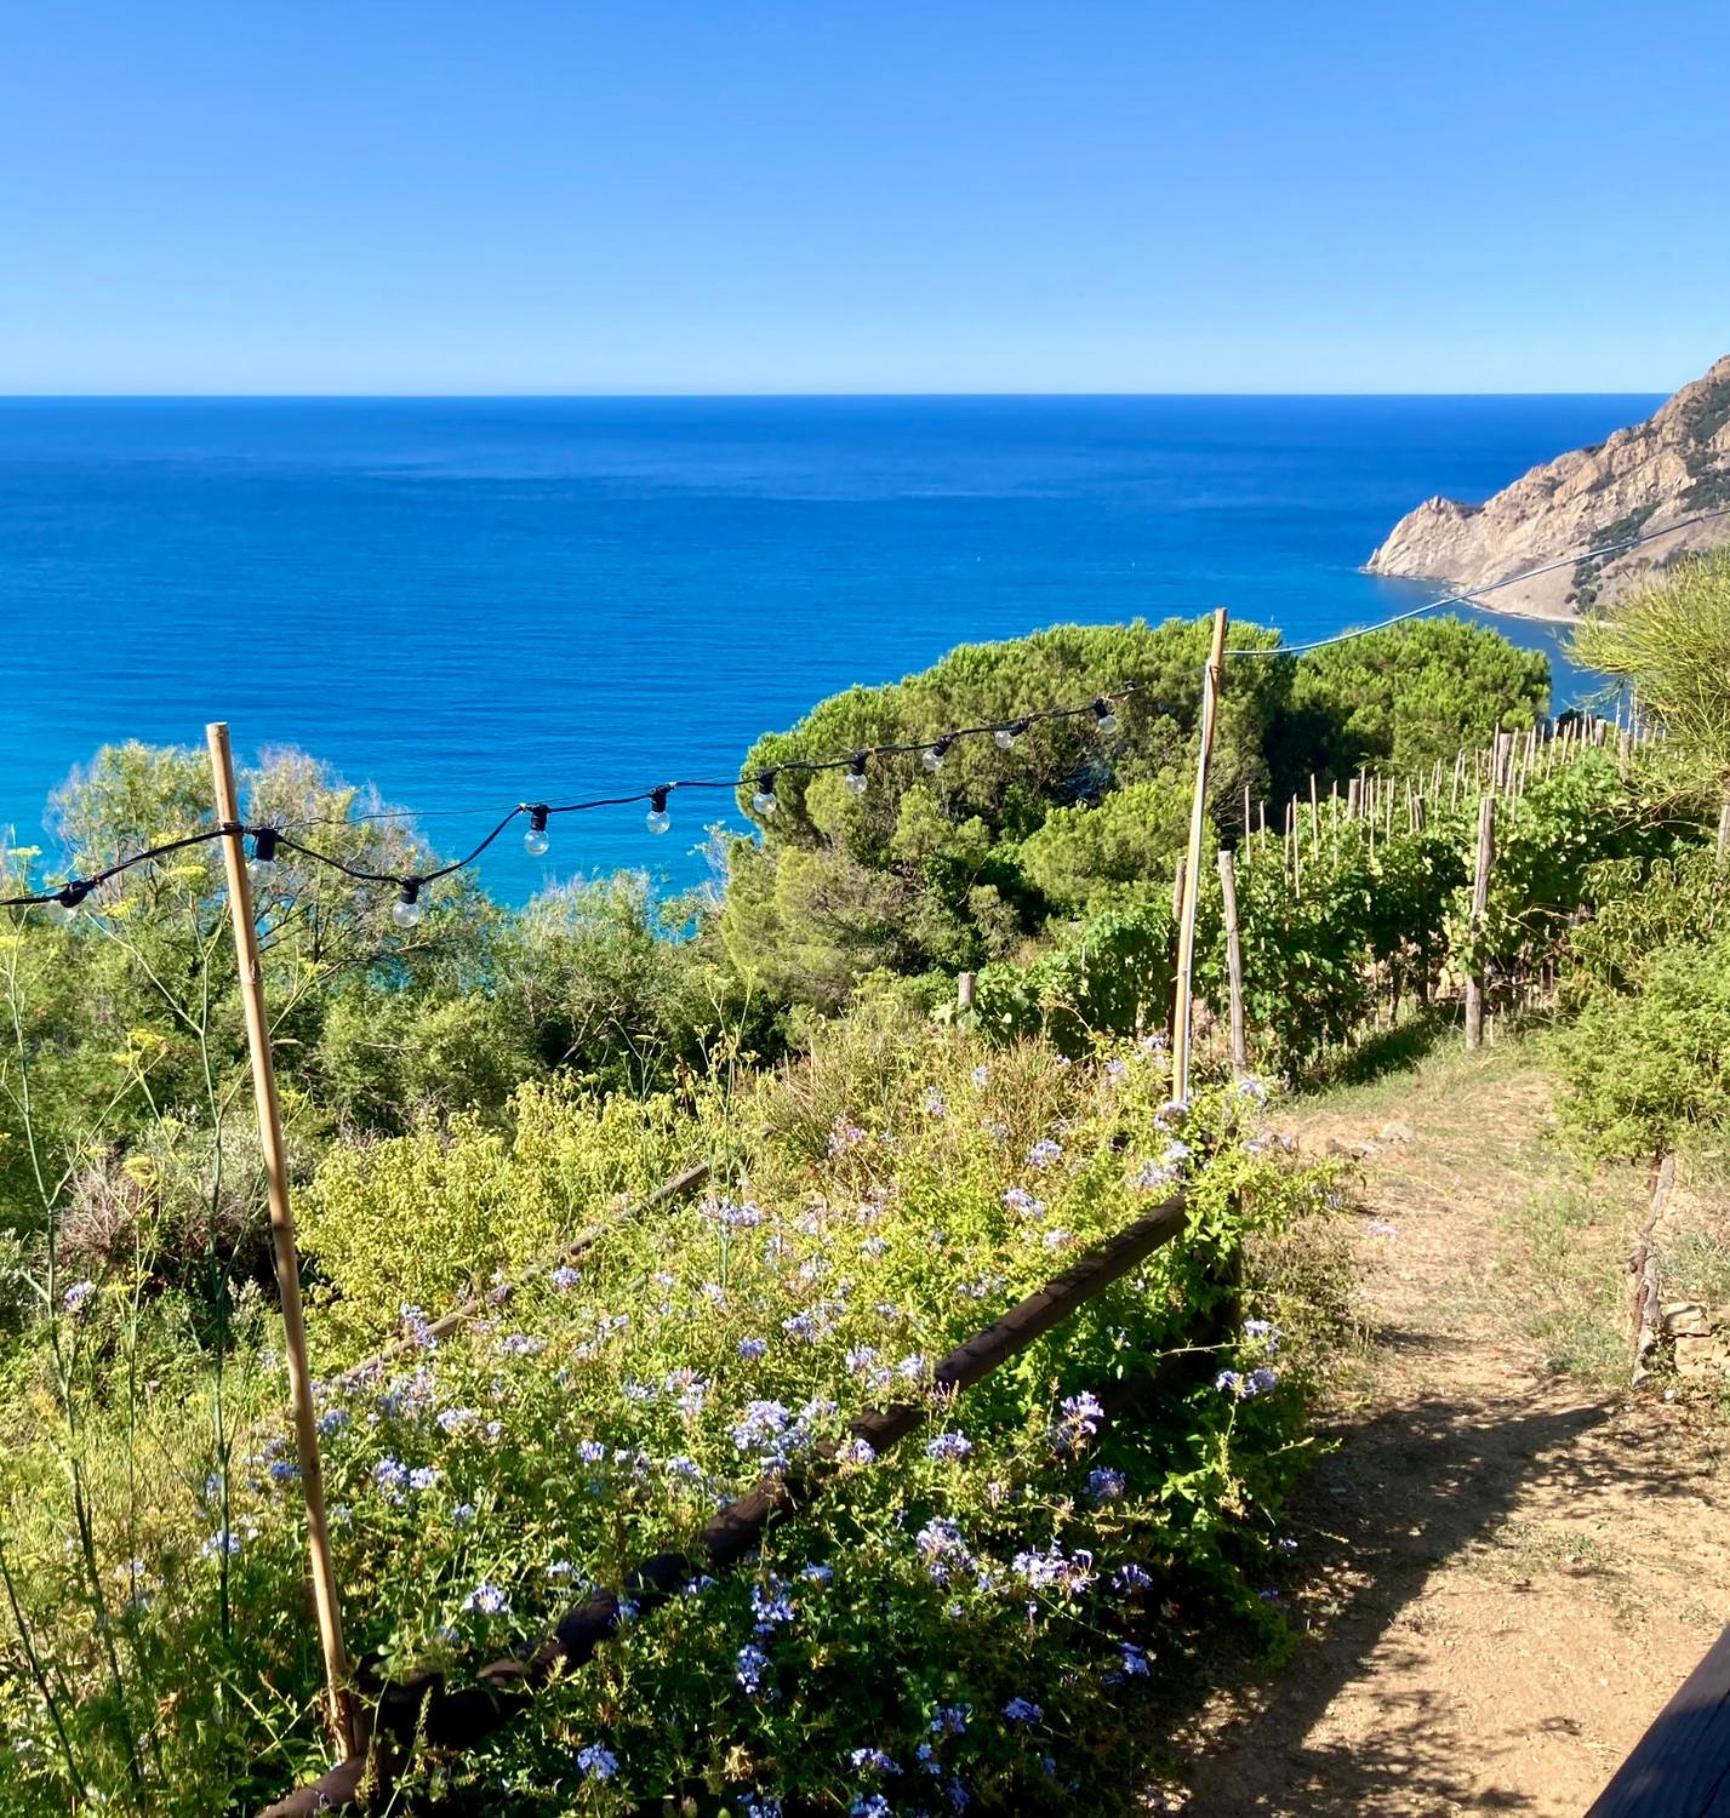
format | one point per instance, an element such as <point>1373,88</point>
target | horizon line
<point>744,396</point>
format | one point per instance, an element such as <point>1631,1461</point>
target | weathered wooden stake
<point>1181,1019</point>
<point>1480,907</point>
<point>1724,832</point>
<point>1233,961</point>
<point>964,982</point>
<point>344,1716</point>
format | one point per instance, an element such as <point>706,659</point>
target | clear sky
<point>894,195</point>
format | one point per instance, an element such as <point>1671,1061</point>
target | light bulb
<point>933,755</point>
<point>857,781</point>
<point>764,800</point>
<point>407,911</point>
<point>658,820</point>
<point>1007,735</point>
<point>537,839</point>
<point>1103,717</point>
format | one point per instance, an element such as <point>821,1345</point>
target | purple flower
<point>875,1760</point>
<point>982,1075</point>
<point>818,1574</point>
<point>453,1420</point>
<point>762,1422</point>
<point>1132,1577</point>
<point>752,1348</point>
<point>861,1358</point>
<point>935,1105</point>
<point>942,1548</point>
<point>948,1448</point>
<point>333,1421</point>
<point>423,1477</point>
<point>390,1477</point>
<point>1044,1153</point>
<point>488,1600</point>
<point>77,1295</point>
<point>565,1277</point>
<point>1023,1710</point>
<point>1116,1070</point>
<point>520,1344</point>
<point>463,1514</point>
<point>592,1452</point>
<point>1018,1199</point>
<point>1105,1485</point>
<point>844,1136</point>
<point>750,1665</point>
<point>597,1762</point>
<point>873,1805</point>
<point>858,1452</point>
<point>1134,1660</point>
<point>284,1471</point>
<point>771,1605</point>
<point>950,1719</point>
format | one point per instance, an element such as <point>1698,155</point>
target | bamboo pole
<point>344,1716</point>
<point>1233,961</point>
<point>1181,1019</point>
<point>1480,906</point>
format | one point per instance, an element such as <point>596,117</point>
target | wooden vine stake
<point>1233,961</point>
<point>1724,832</point>
<point>1182,1017</point>
<point>1480,907</point>
<point>343,1714</point>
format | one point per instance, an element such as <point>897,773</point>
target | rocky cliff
<point>1641,481</point>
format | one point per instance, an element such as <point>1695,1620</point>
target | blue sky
<point>954,195</point>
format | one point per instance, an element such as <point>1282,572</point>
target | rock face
<point>1641,481</point>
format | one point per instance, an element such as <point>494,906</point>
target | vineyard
<point>827,1363</point>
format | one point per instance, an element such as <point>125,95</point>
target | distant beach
<point>471,602</point>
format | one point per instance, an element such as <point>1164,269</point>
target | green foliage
<point>1647,1069</point>
<point>875,1205</point>
<point>955,870</point>
<point>1402,698</point>
<point>1671,642</point>
<point>1114,976</point>
<point>1087,856</point>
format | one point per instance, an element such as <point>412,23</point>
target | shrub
<point>1644,1070</point>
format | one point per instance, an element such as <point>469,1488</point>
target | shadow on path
<point>1407,1490</point>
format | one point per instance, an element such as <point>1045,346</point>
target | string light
<point>63,902</point>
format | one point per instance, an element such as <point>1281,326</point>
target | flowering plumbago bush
<point>971,1618</point>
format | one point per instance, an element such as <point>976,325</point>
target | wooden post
<point>1233,961</point>
<point>1315,820</point>
<point>964,992</point>
<point>1180,1024</point>
<point>1177,890</point>
<point>1724,832</point>
<point>344,1717</point>
<point>1480,906</point>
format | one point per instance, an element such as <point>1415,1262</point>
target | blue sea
<point>473,602</point>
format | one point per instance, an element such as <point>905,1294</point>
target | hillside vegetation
<point>966,1621</point>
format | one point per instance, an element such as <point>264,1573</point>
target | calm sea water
<point>473,602</point>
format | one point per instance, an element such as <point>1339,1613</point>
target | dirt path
<point>1507,1571</point>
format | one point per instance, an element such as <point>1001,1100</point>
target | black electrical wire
<point>75,890</point>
